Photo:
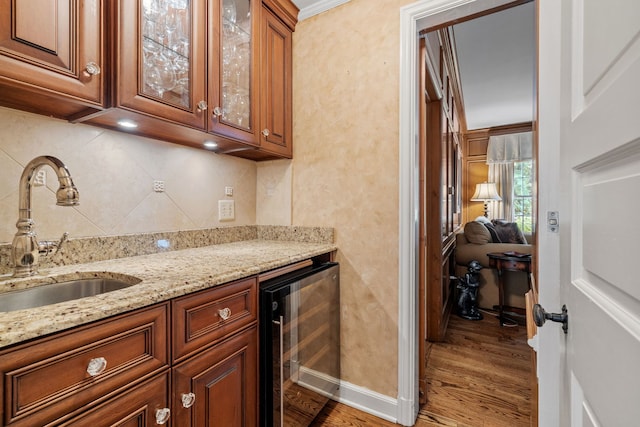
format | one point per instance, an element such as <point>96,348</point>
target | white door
<point>589,140</point>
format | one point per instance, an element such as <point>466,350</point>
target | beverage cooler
<point>299,344</point>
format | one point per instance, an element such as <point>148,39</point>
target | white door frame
<point>413,18</point>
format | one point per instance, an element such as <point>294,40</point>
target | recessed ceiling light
<point>210,144</point>
<point>127,124</point>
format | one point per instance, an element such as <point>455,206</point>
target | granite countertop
<point>163,276</point>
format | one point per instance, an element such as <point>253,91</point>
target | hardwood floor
<point>478,377</point>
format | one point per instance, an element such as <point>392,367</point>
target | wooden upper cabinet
<point>202,66</point>
<point>233,77</point>
<point>275,86</point>
<point>161,59</point>
<point>184,71</point>
<point>53,50</point>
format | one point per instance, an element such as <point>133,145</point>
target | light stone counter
<point>163,276</point>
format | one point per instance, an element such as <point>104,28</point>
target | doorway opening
<point>452,150</point>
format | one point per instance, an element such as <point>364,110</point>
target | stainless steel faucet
<point>26,249</point>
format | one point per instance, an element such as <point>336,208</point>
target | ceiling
<point>496,59</point>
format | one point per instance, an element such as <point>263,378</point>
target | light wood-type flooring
<point>478,377</point>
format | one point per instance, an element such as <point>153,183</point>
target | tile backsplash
<point>114,173</point>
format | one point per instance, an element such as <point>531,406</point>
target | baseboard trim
<point>352,395</point>
<point>371,402</point>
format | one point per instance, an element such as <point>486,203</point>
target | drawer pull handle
<point>188,399</point>
<point>162,415</point>
<point>96,366</point>
<point>225,313</point>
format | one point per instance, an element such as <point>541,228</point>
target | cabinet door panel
<point>224,381</point>
<point>51,44</point>
<point>134,408</point>
<point>233,55</point>
<point>161,60</point>
<point>275,86</point>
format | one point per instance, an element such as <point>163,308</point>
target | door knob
<point>540,316</point>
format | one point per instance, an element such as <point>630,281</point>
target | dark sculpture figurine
<point>468,292</point>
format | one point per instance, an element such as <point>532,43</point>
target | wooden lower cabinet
<point>137,407</point>
<point>203,318</point>
<point>218,387</point>
<point>121,371</point>
<point>56,378</point>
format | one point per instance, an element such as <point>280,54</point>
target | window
<point>523,195</point>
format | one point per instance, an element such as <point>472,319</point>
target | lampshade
<point>485,192</point>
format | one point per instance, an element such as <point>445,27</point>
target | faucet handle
<point>46,247</point>
<point>63,239</point>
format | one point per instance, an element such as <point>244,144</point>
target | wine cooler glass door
<point>303,345</point>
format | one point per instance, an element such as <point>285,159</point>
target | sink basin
<point>59,292</point>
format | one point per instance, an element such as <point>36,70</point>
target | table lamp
<point>485,192</point>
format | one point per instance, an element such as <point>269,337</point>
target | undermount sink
<point>59,292</point>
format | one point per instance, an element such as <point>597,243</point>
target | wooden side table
<point>508,262</point>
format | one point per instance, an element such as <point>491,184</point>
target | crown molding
<point>319,7</point>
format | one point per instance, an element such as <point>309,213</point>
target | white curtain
<point>502,152</point>
<point>502,175</point>
<point>514,147</point>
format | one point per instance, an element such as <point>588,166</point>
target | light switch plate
<point>226,210</point>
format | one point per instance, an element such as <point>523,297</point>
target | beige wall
<point>114,173</point>
<point>345,170</point>
<point>273,192</point>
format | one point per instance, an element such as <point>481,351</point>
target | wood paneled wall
<point>475,169</point>
<point>442,123</point>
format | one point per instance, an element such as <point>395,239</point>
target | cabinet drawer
<point>48,379</point>
<point>208,316</point>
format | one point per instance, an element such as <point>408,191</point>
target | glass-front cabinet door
<point>162,46</point>
<point>233,58</point>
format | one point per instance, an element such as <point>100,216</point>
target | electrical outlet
<point>40,180</point>
<point>158,186</point>
<point>226,210</point>
<point>228,191</point>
